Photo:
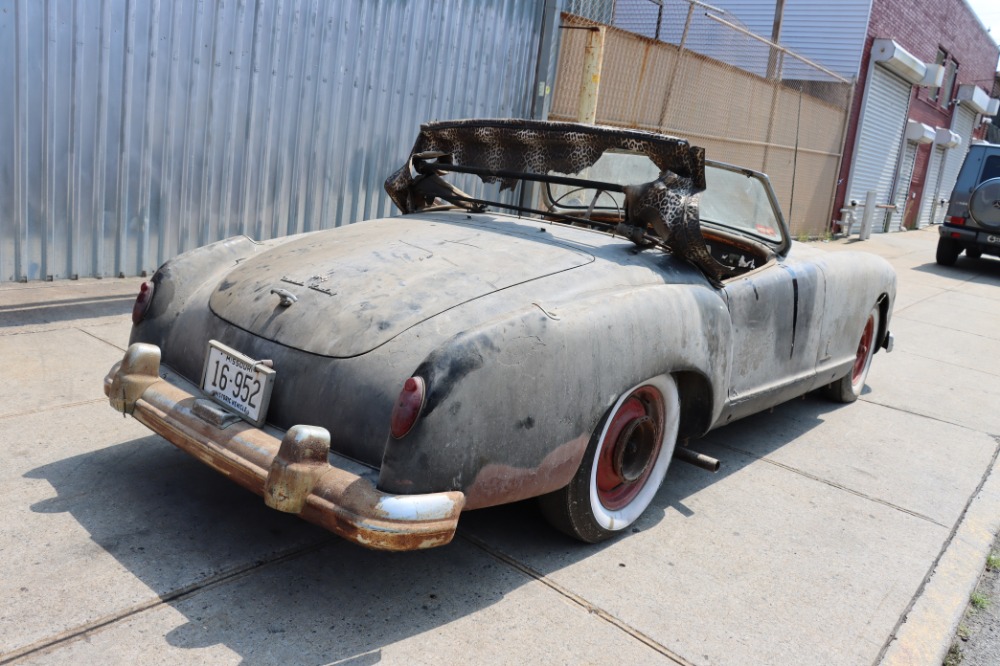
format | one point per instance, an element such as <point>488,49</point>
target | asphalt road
<point>833,534</point>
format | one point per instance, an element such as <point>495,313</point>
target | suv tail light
<point>406,411</point>
<point>956,219</point>
<point>142,302</point>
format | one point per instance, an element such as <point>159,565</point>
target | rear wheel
<point>848,388</point>
<point>624,466</point>
<point>947,251</point>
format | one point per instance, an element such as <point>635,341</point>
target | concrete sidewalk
<point>833,535</point>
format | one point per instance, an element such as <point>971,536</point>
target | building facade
<point>925,76</point>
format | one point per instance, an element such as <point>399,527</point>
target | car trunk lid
<point>344,292</point>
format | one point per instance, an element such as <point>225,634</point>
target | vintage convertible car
<point>378,379</point>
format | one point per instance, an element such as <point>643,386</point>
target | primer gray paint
<point>134,130</point>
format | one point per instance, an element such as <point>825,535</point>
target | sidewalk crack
<point>577,599</point>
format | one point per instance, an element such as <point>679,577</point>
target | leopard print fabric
<point>667,207</point>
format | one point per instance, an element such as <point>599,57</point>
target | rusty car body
<point>454,358</point>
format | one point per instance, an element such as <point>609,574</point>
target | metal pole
<point>868,217</point>
<point>673,70</point>
<point>590,82</point>
<point>772,55</point>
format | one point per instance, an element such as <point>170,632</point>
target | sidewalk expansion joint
<point>838,486</point>
<point>577,599</point>
<point>941,326</point>
<point>929,417</point>
<point>89,628</point>
<point>52,408</point>
<point>100,339</point>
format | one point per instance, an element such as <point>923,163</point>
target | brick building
<point>924,72</point>
<point>923,94</point>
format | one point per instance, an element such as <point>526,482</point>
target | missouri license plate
<point>237,382</point>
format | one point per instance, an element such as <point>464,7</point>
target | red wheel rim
<point>629,448</point>
<point>864,348</point>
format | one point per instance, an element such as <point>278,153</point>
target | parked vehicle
<point>379,378</point>
<point>972,223</point>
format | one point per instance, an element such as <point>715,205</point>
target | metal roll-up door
<point>965,122</point>
<point>883,116</point>
<point>903,186</point>
<point>930,186</point>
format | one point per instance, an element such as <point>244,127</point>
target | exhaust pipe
<point>697,459</point>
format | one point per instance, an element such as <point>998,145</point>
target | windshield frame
<point>779,245</point>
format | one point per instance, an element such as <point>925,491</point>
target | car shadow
<point>984,269</point>
<point>737,445</point>
<point>264,583</point>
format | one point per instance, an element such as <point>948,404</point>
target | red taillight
<point>406,411</point>
<point>957,219</point>
<point>142,302</point>
<point>955,234</point>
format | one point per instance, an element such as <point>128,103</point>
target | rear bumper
<point>293,471</point>
<point>987,241</point>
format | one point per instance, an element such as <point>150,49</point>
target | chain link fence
<point>686,68</point>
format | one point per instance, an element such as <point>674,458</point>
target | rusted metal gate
<point>683,67</point>
<point>134,130</point>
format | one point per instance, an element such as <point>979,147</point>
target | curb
<point>928,629</point>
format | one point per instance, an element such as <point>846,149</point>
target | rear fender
<point>510,406</point>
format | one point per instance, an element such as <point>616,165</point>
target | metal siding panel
<point>832,34</point>
<point>8,127</point>
<point>183,123</point>
<point>884,115</point>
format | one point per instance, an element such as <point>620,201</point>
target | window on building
<point>934,93</point>
<point>948,87</point>
<point>943,95</point>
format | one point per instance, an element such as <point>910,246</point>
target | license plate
<point>993,239</point>
<point>237,382</point>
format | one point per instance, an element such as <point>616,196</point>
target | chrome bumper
<point>291,470</point>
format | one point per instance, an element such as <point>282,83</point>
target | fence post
<point>590,82</point>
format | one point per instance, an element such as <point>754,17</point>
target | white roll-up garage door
<point>883,116</point>
<point>903,185</point>
<point>965,121</point>
<point>930,186</point>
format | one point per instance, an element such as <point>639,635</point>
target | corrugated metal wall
<point>133,130</point>
<point>831,33</point>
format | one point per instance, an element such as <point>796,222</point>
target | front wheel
<point>848,388</point>
<point>624,465</point>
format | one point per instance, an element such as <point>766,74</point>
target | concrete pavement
<point>833,534</point>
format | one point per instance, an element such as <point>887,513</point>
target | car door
<point>775,314</point>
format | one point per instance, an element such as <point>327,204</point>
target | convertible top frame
<point>663,212</point>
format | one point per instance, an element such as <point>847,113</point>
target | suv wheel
<point>947,251</point>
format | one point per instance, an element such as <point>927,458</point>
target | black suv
<point>973,220</point>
